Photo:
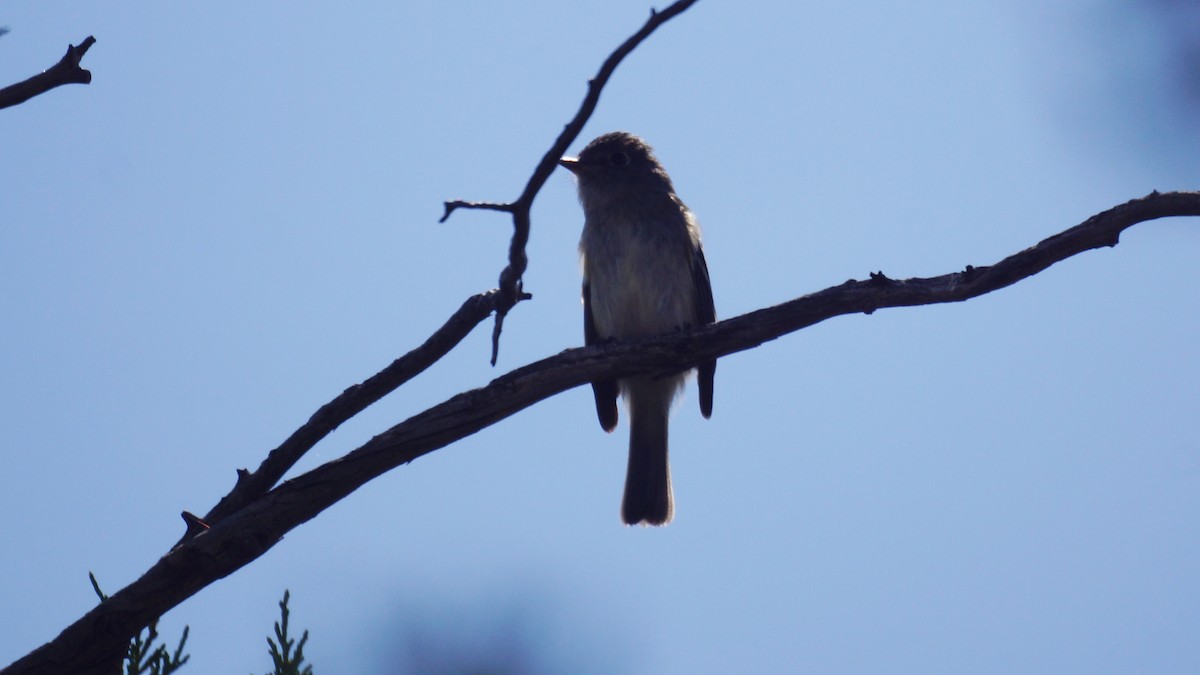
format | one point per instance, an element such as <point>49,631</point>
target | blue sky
<point>238,219</point>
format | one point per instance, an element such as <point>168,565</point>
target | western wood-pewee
<point>643,274</point>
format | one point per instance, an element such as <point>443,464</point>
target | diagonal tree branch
<point>357,398</point>
<point>66,71</point>
<point>510,276</point>
<point>95,640</point>
<point>349,403</point>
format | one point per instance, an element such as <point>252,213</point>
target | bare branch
<point>510,276</point>
<point>233,542</point>
<point>357,398</point>
<point>66,71</point>
<point>251,486</point>
<point>460,204</point>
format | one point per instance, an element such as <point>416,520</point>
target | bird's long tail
<point>648,496</point>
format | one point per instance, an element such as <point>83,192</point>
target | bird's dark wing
<point>706,313</point>
<point>604,391</point>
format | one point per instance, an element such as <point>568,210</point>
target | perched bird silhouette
<point>644,274</point>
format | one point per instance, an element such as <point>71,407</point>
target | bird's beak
<point>570,164</point>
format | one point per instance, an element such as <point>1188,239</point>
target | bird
<point>644,274</point>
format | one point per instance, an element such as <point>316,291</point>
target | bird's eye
<point>618,159</point>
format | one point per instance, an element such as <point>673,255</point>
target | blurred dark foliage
<point>493,641</point>
<point>513,633</point>
<point>1123,81</point>
<point>1178,23</point>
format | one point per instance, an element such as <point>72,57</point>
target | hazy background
<point>237,220</point>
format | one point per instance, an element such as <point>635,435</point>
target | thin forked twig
<point>488,206</point>
<point>510,277</point>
